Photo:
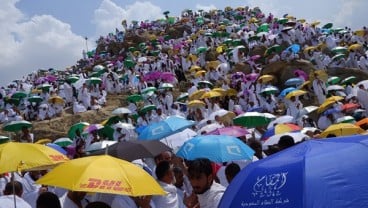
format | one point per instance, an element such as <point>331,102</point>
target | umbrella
<point>339,49</point>
<point>304,175</point>
<point>325,105</point>
<point>133,150</point>
<point>201,50</point>
<point>345,119</point>
<point>99,145</point>
<point>102,174</point>
<point>76,127</point>
<point>354,47</point>
<point>35,99</point>
<point>266,78</point>
<point>294,81</point>
<point>63,142</point>
<point>223,148</point>
<point>205,84</point>
<point>15,126</point>
<point>92,127</point>
<point>148,90</point>
<point>299,72</point>
<point>297,136</point>
<point>347,80</point>
<point>309,48</point>
<point>196,104</point>
<point>273,49</point>
<point>253,119</point>
<point>280,129</point>
<point>147,108</point>
<point>168,77</point>
<point>295,48</point>
<point>98,68</point>
<point>57,148</point>
<point>280,120</point>
<point>285,91</point>
<point>211,94</point>
<point>120,111</point>
<point>327,26</point>
<point>15,156</point>
<point>295,93</point>
<point>333,80</point>
<point>94,80</point>
<point>306,110</point>
<point>166,86</point>
<point>235,131</point>
<point>270,90</point>
<point>337,57</point>
<point>362,122</point>
<point>197,94</point>
<point>56,100</point>
<point>335,88</point>
<point>4,139</point>
<point>349,107</point>
<point>129,63</point>
<point>44,87</point>
<point>164,128</point>
<point>195,68</point>
<point>342,129</point>
<point>134,98</point>
<point>182,97</point>
<point>19,95</point>
<point>200,73</point>
<point>175,141</point>
<point>335,98</point>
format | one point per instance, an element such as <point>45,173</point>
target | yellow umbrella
<point>211,94</point>
<point>43,141</point>
<point>192,57</point>
<point>36,91</point>
<point>197,94</point>
<point>319,73</point>
<point>231,92</point>
<point>16,156</point>
<point>196,104</point>
<point>200,73</point>
<point>305,84</point>
<point>220,49</point>
<point>266,78</point>
<point>212,64</point>
<point>335,98</point>
<point>325,105</point>
<point>253,20</point>
<point>360,33</point>
<point>295,93</point>
<point>301,20</point>
<point>56,100</point>
<point>309,48</point>
<point>342,129</point>
<point>220,90</point>
<point>195,68</point>
<point>102,174</point>
<point>315,23</point>
<point>355,46</point>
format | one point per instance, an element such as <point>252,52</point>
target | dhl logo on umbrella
<point>57,158</point>
<point>95,183</point>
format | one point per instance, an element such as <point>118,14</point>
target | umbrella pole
<point>14,197</point>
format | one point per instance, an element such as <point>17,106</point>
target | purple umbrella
<point>299,72</point>
<point>168,77</point>
<point>151,76</point>
<point>255,57</point>
<point>41,80</point>
<point>236,131</point>
<point>51,78</point>
<point>252,77</point>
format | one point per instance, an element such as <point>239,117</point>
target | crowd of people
<point>166,76</point>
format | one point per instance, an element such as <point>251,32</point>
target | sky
<point>42,34</point>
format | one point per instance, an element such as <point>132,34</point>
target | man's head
<point>200,175</point>
<point>164,172</point>
<point>13,187</point>
<point>48,199</point>
<point>179,177</point>
<point>286,141</point>
<point>164,156</point>
<point>231,171</point>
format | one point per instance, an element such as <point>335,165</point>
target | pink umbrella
<point>92,127</point>
<point>151,76</point>
<point>255,57</point>
<point>168,77</point>
<point>252,77</point>
<point>236,131</point>
<point>301,73</point>
<point>51,78</point>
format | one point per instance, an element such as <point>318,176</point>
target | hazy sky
<point>50,34</point>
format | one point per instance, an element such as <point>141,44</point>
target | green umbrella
<point>270,90</point>
<point>134,98</point>
<point>63,142</point>
<point>77,126</point>
<point>107,132</point>
<point>263,28</point>
<point>253,119</point>
<point>237,42</point>
<point>72,79</point>
<point>166,86</point>
<point>253,38</point>
<point>35,99</point>
<point>129,63</point>
<point>155,53</point>
<point>142,45</point>
<point>19,95</point>
<point>333,80</point>
<point>182,97</point>
<point>15,126</point>
<point>131,49</point>
<point>4,139</point>
<point>347,80</point>
<point>112,120</point>
<point>275,48</point>
<point>148,89</point>
<point>171,20</point>
<point>205,84</point>
<point>44,87</point>
<point>327,26</point>
<point>94,80</point>
<point>14,101</point>
<point>339,50</point>
<point>228,41</point>
<point>147,108</point>
<point>282,20</point>
<point>201,50</point>
<point>98,68</point>
<point>338,56</point>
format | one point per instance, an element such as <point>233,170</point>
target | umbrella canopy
<point>63,142</point>
<point>15,126</point>
<point>280,120</point>
<point>134,98</point>
<point>133,150</point>
<point>253,119</point>
<point>102,174</point>
<point>35,99</point>
<point>339,49</point>
<point>197,94</point>
<point>94,80</point>
<point>266,78</point>
<point>294,81</point>
<point>205,84</point>
<point>269,90</point>
<point>72,79</point>
<point>273,49</point>
<point>99,145</point>
<point>291,177</point>
<point>235,131</point>
<point>92,127</point>
<point>211,94</point>
<point>56,100</point>
<point>280,129</point>
<point>120,111</point>
<point>16,156</point>
<point>4,139</point>
<point>148,90</point>
<point>76,127</point>
<point>147,108</point>
<point>223,148</point>
<point>297,136</point>
<point>164,128</point>
<point>342,129</point>
<point>19,95</point>
<point>196,104</point>
<point>182,97</point>
<point>333,80</point>
<point>345,119</point>
<point>285,91</point>
<point>295,93</point>
<point>335,88</point>
<point>347,80</point>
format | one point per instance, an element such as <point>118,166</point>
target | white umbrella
<point>306,110</point>
<point>127,126</point>
<point>175,141</point>
<point>209,128</point>
<point>121,110</point>
<point>297,136</point>
<point>220,113</point>
<point>335,87</point>
<point>99,145</point>
<point>345,119</point>
<point>281,120</point>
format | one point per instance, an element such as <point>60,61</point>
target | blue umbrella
<point>295,48</point>
<point>315,173</point>
<point>57,148</point>
<point>217,148</point>
<point>294,81</point>
<point>285,91</point>
<point>164,128</point>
